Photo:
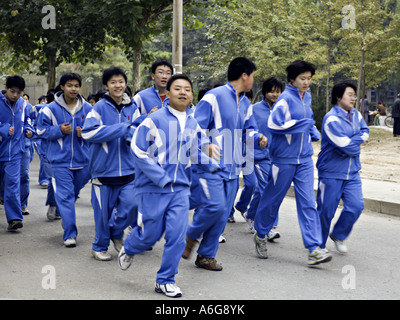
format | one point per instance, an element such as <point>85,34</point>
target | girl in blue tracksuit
<point>60,123</point>
<point>164,146</point>
<point>292,128</point>
<point>272,89</point>
<point>14,127</point>
<point>343,131</point>
<point>112,168</point>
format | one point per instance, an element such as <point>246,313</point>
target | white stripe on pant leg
<point>275,171</point>
<point>203,183</point>
<point>53,182</point>
<point>140,221</point>
<point>322,189</point>
<point>98,194</point>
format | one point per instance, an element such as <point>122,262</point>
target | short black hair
<point>161,63</point>
<point>238,66</point>
<point>25,94</point>
<point>113,71</point>
<point>339,89</point>
<point>177,77</point>
<point>298,67</point>
<point>271,83</point>
<point>70,76</point>
<point>15,82</point>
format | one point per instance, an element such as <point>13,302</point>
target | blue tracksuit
<point>149,98</point>
<point>163,154</point>
<point>25,162</point>
<point>37,144</point>
<point>262,161</point>
<point>67,155</point>
<point>12,148</point>
<point>338,170</point>
<point>228,126</point>
<point>107,128</point>
<point>292,130</point>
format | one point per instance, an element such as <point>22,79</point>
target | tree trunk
<point>52,72</point>
<point>137,58</point>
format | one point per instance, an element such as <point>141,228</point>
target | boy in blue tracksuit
<point>14,127</point>
<point>164,146</point>
<point>60,123</point>
<point>112,168</point>
<point>343,131</point>
<point>222,113</point>
<point>292,129</point>
<point>271,90</point>
<point>154,97</point>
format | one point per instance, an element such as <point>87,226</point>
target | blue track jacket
<point>292,128</point>
<point>149,98</point>
<point>340,144</point>
<point>64,150</point>
<point>12,147</point>
<point>108,131</point>
<point>230,125</point>
<point>164,154</point>
<point>261,112</point>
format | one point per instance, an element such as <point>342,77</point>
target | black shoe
<point>13,225</point>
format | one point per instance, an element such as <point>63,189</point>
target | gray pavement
<point>34,264</point>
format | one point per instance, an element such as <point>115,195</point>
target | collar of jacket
<point>234,92</point>
<point>59,98</point>
<point>126,101</point>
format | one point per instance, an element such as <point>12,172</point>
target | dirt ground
<point>380,155</point>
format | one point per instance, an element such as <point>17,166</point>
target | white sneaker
<point>250,223</point>
<point>339,244</point>
<point>101,255</point>
<point>124,260</point>
<point>318,256</point>
<point>70,242</point>
<point>261,247</point>
<point>170,290</point>
<point>221,239</point>
<point>273,234</point>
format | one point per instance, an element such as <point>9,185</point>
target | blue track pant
<point>330,191</point>
<point>10,175</point>
<point>159,213</point>
<point>67,184</point>
<point>250,183</point>
<point>282,176</point>
<point>115,208</point>
<point>213,199</point>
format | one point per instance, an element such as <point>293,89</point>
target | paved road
<point>29,259</point>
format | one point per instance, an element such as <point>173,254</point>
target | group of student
<point>153,158</point>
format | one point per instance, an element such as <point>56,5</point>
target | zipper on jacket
<point>302,135</point>
<point>179,153</point>
<point>11,138</point>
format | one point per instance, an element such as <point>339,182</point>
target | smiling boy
<point>112,167</point>
<point>164,146</point>
<point>60,123</point>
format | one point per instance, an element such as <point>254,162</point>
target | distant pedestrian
<point>343,131</point>
<point>396,117</point>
